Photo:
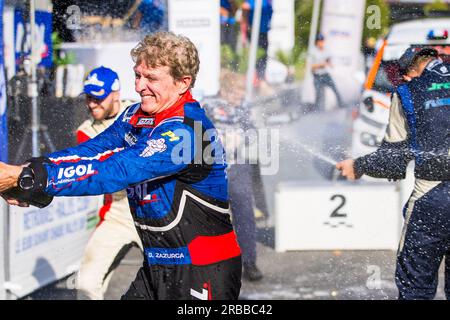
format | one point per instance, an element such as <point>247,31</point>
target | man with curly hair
<point>166,152</point>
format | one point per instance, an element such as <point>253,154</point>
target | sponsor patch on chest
<point>130,139</point>
<point>145,122</point>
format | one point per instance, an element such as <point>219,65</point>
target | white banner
<point>48,244</point>
<point>342,25</point>
<point>3,260</point>
<point>199,21</point>
<point>281,34</point>
<point>114,55</point>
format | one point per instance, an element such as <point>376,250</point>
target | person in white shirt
<point>320,64</point>
<point>115,233</point>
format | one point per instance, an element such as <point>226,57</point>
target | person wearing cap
<point>228,23</point>
<point>150,16</point>
<point>248,10</point>
<point>115,233</point>
<point>418,129</point>
<point>320,64</point>
<point>369,52</point>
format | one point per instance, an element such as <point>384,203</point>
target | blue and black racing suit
<point>172,165</point>
<point>419,130</point>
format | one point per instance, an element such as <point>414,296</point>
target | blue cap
<point>410,55</point>
<point>320,37</point>
<point>100,82</point>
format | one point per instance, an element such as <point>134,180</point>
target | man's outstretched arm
<point>150,158</point>
<point>110,139</point>
<point>390,160</point>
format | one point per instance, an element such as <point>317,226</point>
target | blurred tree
<point>303,16</point>
<point>227,57</point>
<point>60,57</point>
<point>288,58</point>
<point>294,60</point>
<point>236,61</point>
<point>437,5</point>
<point>380,28</point>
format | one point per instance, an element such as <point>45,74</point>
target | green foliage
<point>58,58</point>
<point>303,17</point>
<point>242,60</point>
<point>56,41</point>
<point>236,61</point>
<point>300,66</point>
<point>385,20</point>
<point>284,57</point>
<point>297,58</point>
<point>289,58</point>
<point>227,57</point>
<point>437,5</point>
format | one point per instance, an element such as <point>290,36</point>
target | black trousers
<point>228,35</point>
<point>263,46</point>
<point>425,243</point>
<point>218,281</point>
<point>240,192</point>
<point>321,81</point>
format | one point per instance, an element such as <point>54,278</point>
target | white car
<point>373,112</point>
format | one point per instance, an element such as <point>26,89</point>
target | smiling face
<point>166,66</point>
<point>101,109</point>
<point>157,88</point>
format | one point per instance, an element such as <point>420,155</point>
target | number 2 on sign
<point>336,213</point>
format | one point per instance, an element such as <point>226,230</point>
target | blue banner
<point>3,115</point>
<point>43,37</point>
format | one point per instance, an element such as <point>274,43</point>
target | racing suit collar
<point>143,119</point>
<point>176,109</point>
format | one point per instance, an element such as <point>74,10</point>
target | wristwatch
<point>26,179</point>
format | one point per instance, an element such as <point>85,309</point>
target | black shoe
<point>252,273</point>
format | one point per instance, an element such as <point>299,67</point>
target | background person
<point>150,16</point>
<point>417,130</point>
<point>242,208</point>
<point>320,64</point>
<point>115,234</point>
<point>228,34</point>
<point>242,193</point>
<point>248,8</point>
<point>369,51</point>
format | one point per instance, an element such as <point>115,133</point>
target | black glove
<point>35,196</point>
<point>39,200</point>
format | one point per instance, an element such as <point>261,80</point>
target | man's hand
<point>317,66</point>
<point>9,175</point>
<point>347,169</point>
